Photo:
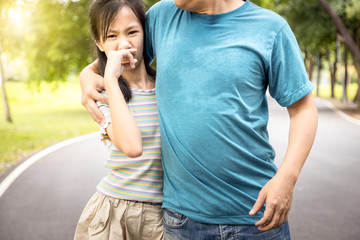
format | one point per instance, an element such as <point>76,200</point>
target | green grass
<point>40,118</point>
<point>325,91</point>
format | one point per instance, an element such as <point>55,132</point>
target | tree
<point>314,35</point>
<point>4,5</point>
<point>347,39</point>
<point>3,89</point>
<point>149,3</point>
<point>53,38</point>
<point>57,40</point>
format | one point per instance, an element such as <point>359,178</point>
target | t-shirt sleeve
<point>288,79</point>
<point>150,33</point>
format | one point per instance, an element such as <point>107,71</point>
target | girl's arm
<point>123,131</point>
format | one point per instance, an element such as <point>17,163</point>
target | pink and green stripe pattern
<point>140,178</point>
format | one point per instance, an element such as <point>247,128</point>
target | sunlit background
<point>44,44</point>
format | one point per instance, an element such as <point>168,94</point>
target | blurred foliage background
<point>49,40</point>
<point>44,40</point>
<point>44,44</point>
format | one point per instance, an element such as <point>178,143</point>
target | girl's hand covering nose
<point>119,61</point>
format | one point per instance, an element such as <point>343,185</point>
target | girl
<point>127,204</point>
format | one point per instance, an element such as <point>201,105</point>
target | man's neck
<point>220,6</point>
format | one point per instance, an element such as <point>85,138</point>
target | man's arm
<point>91,84</point>
<point>277,193</point>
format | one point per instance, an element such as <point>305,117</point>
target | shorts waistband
<point>116,201</point>
<point>149,203</point>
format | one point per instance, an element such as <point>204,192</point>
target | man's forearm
<point>303,125</point>
<point>94,66</point>
<point>91,84</point>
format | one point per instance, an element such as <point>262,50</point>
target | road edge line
<point>340,113</point>
<point>9,179</point>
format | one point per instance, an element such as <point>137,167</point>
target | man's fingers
<point>282,218</point>
<point>89,103</point>
<point>272,223</point>
<point>286,216</point>
<point>258,204</point>
<point>268,215</point>
<point>275,215</point>
<point>99,97</point>
<point>95,112</point>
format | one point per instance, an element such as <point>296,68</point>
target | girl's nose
<point>124,45</point>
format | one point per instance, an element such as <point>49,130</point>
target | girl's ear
<point>99,46</point>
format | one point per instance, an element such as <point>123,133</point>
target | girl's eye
<point>133,32</point>
<point>111,36</point>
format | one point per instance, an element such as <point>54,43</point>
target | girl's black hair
<point>101,14</point>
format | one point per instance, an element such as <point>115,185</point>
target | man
<point>215,61</point>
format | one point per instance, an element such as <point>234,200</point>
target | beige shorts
<point>108,218</point>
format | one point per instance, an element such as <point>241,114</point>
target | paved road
<point>46,200</point>
<point>327,195</point>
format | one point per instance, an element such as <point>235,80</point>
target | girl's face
<point>125,32</point>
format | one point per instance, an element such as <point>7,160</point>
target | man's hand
<point>91,84</point>
<point>277,194</point>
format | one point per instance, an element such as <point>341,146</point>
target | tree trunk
<point>309,64</point>
<point>357,96</point>
<point>357,66</point>
<point>6,104</point>
<point>333,69</point>
<point>348,41</point>
<point>311,67</point>
<point>318,63</point>
<point>345,75</point>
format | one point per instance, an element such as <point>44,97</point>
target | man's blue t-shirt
<point>212,75</point>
